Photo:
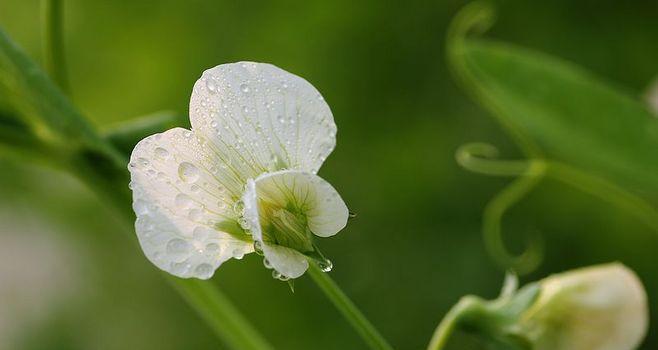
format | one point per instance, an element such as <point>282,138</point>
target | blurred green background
<point>73,277</point>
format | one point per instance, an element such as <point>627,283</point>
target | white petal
<point>288,262</point>
<point>180,201</point>
<point>324,208</point>
<point>262,118</point>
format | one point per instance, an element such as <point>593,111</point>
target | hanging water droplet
<point>267,264</point>
<point>183,201</point>
<point>244,88</point>
<point>326,265</point>
<point>188,172</point>
<point>276,274</point>
<point>238,254</point>
<point>177,249</point>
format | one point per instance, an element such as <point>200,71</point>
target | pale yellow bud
<point>601,307</point>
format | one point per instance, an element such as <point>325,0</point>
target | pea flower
<point>599,308</point>
<point>243,179</point>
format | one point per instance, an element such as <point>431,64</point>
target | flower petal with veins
<point>262,118</point>
<point>180,202</point>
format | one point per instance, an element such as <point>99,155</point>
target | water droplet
<point>177,249</point>
<point>238,254</point>
<point>188,172</point>
<point>267,264</point>
<point>195,215</point>
<point>140,207</point>
<point>244,223</point>
<point>203,270</point>
<point>258,247</point>
<point>199,233</point>
<point>212,247</point>
<point>238,207</point>
<point>244,88</point>
<point>183,201</point>
<point>161,152</point>
<point>278,275</point>
<point>210,84</point>
<point>326,265</point>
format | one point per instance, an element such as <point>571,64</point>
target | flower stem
<point>53,42</point>
<point>449,323</point>
<point>348,309</point>
<point>219,313</point>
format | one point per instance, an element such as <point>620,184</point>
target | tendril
<point>479,157</point>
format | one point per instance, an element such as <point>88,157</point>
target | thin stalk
<point>219,313</point>
<point>53,42</point>
<point>343,303</point>
<point>449,323</point>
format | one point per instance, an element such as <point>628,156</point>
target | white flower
<point>595,308</point>
<point>243,177</point>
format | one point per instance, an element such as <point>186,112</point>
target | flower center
<point>285,226</point>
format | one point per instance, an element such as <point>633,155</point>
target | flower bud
<point>601,307</point>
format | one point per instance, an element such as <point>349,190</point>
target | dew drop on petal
<point>212,247</point>
<point>203,270</point>
<point>238,207</point>
<point>183,201</point>
<point>258,247</point>
<point>195,215</point>
<point>177,248</point>
<point>267,264</point>
<point>161,152</point>
<point>188,172</point>
<point>244,88</point>
<point>140,207</point>
<point>212,87</point>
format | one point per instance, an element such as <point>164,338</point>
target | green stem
<point>53,42</point>
<point>219,313</point>
<point>347,308</point>
<point>450,322</point>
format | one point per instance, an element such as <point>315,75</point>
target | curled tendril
<point>479,157</point>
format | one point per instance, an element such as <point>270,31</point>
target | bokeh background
<point>73,277</point>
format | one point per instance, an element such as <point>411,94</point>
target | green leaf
<point>51,117</point>
<point>558,110</point>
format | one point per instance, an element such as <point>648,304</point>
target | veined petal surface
<point>184,205</point>
<point>310,205</point>
<point>260,118</point>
